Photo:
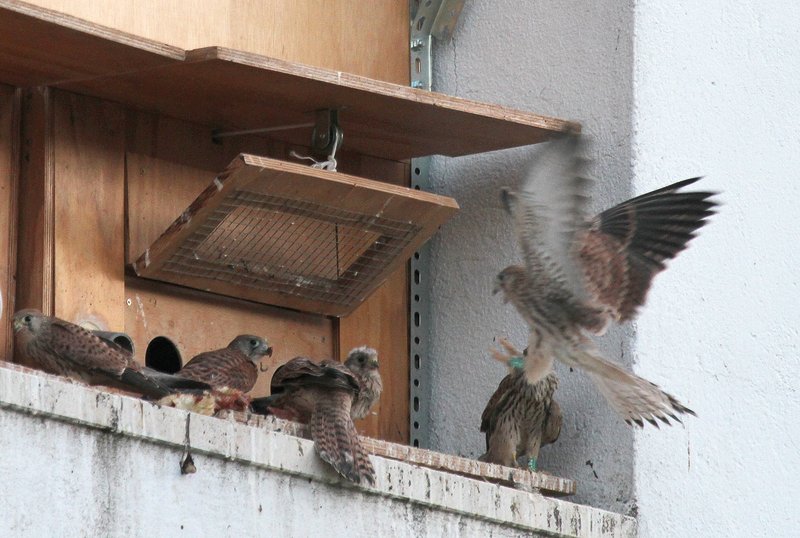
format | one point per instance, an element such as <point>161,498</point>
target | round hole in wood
<point>163,355</point>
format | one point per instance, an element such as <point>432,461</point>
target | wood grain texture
<point>10,102</point>
<point>40,46</point>
<point>196,321</point>
<point>507,476</point>
<point>259,175</point>
<point>89,175</point>
<point>333,34</point>
<point>36,210</point>
<point>246,91</point>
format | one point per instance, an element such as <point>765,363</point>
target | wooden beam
<point>10,102</point>
<point>35,264</point>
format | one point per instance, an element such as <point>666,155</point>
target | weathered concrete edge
<point>54,398</point>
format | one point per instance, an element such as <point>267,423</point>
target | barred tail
<point>336,439</point>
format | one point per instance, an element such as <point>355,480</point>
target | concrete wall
<point>717,92</point>
<point>76,461</point>
<point>566,58</point>
<point>669,90</point>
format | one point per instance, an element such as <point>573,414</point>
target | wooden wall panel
<point>89,172</point>
<point>36,203</point>
<point>9,176</point>
<point>196,321</point>
<point>363,38</point>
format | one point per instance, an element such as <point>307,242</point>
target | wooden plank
<point>9,178</point>
<point>89,211</point>
<point>35,263</point>
<point>247,91</point>
<point>490,472</point>
<point>401,216</point>
<point>40,46</point>
<point>196,321</point>
<point>274,28</point>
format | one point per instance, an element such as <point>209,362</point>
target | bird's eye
<point>361,359</point>
<point>27,319</point>
<point>253,343</point>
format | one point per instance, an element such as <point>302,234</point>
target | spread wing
<point>303,372</point>
<point>627,245</point>
<point>549,210</point>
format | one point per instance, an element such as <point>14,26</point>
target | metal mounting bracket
<point>429,19</point>
<point>328,135</point>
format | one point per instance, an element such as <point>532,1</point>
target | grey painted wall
<point>669,90</point>
<point>565,58</point>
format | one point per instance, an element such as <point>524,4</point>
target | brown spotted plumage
<point>520,417</point>
<point>363,363</point>
<point>321,395</point>
<point>581,275</point>
<point>66,349</point>
<point>235,366</point>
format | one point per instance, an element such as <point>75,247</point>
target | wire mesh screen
<point>294,247</point>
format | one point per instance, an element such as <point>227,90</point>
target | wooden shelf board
<point>490,472</point>
<point>40,46</point>
<point>290,235</point>
<point>230,89</point>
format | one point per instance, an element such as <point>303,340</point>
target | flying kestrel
<point>321,395</point>
<point>363,363</point>
<point>235,366</point>
<point>580,275</point>
<point>520,417</point>
<point>66,349</point>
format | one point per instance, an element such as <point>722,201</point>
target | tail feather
<point>336,439</point>
<point>174,383</point>
<point>634,398</point>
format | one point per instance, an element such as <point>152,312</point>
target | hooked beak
<point>373,362</point>
<point>268,352</point>
<point>17,324</point>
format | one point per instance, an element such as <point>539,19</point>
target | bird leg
<point>532,463</point>
<point>512,357</point>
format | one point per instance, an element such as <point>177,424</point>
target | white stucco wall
<point>717,92</point>
<point>669,90</point>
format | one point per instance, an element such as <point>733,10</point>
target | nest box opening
<point>162,354</point>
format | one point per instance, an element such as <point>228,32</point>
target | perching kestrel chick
<point>321,395</point>
<point>520,417</point>
<point>235,366</point>
<point>363,362</point>
<point>579,275</point>
<point>66,349</point>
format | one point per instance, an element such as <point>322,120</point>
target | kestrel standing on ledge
<point>235,366</point>
<point>66,349</point>
<point>520,417</point>
<point>580,275</point>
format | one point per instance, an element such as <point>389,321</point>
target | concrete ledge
<point>463,506</point>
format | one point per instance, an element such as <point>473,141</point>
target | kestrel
<point>363,363</point>
<point>66,349</point>
<point>580,275</point>
<point>321,395</point>
<point>235,366</point>
<point>520,417</point>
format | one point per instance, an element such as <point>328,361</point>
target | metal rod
<point>264,130</point>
